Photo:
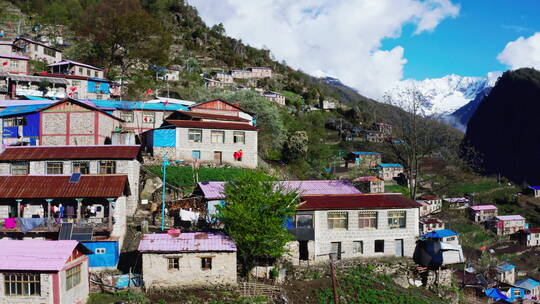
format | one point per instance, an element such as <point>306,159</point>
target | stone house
<point>430,204</point>
<point>328,104</point>
<point>431,224</point>
<point>370,184</point>
<point>260,72</point>
<point>14,64</point>
<point>364,159</point>
<point>275,97</point>
<point>211,83</point>
<point>457,202</point>
<point>482,213</point>
<point>36,50</point>
<point>39,271</point>
<point>18,85</point>
<point>506,273</point>
<point>224,77</point>
<point>74,68</point>
<point>530,237</point>
<point>187,259</point>
<point>84,87</point>
<point>241,74</point>
<point>47,160</point>
<point>507,224</point>
<point>389,171</point>
<point>353,226</point>
<point>215,131</point>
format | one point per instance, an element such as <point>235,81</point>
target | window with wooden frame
<point>367,219</point>
<point>397,219</point>
<point>82,167</point>
<point>20,168</point>
<point>22,284</point>
<point>195,135</point>
<point>149,117</point>
<point>338,220</point>
<point>206,263</point>
<point>127,116</point>
<point>73,277</point>
<point>107,167</point>
<point>14,121</point>
<point>239,137</point>
<point>218,137</point>
<point>54,167</point>
<point>173,263</point>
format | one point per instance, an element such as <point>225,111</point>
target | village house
<point>430,204</point>
<point>353,225</point>
<point>96,159</point>
<point>536,190</point>
<point>482,213</point>
<point>275,97</point>
<point>437,248</point>
<point>6,47</point>
<point>530,237</point>
<point>224,77</point>
<point>260,72</point>
<point>74,68</point>
<point>171,75</point>
<point>187,259</point>
<point>36,50</point>
<point>364,159</point>
<point>211,83</point>
<point>241,74</point>
<point>66,122</point>
<point>430,224</point>
<point>13,64</point>
<point>25,86</point>
<point>370,184</point>
<point>506,273</point>
<point>507,224</point>
<point>38,271</point>
<point>457,202</point>
<point>388,172</point>
<point>531,287</point>
<point>327,104</point>
<point>215,131</point>
<point>213,192</point>
<point>84,87</point>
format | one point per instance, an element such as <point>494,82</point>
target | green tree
<point>254,217</point>
<point>296,146</point>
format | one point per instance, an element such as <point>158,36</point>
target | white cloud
<point>521,53</point>
<point>334,37</point>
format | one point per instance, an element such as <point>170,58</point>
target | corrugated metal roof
<point>203,115</point>
<point>214,190</point>
<point>211,125</point>
<point>186,242</point>
<point>356,201</point>
<point>18,77</point>
<point>64,62</point>
<point>483,207</point>
<point>528,284</point>
<point>14,56</point>
<point>58,186</point>
<point>505,266</point>
<point>138,105</point>
<point>441,233</point>
<point>69,152</point>
<point>36,255</point>
<point>18,110</point>
<point>390,165</point>
<point>510,217</point>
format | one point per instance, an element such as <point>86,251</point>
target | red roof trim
<point>211,125</point>
<point>69,152</point>
<point>219,99</point>
<point>356,201</point>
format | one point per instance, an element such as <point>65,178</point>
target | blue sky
<point>468,44</point>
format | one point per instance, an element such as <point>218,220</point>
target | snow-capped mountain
<point>440,95</point>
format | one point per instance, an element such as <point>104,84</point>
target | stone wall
<point>79,293</point>
<point>156,273</point>
<point>45,297</point>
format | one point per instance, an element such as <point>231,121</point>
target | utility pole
<point>333,274</point>
<point>164,166</point>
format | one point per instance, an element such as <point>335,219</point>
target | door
<point>217,157</point>
<point>304,251</point>
<point>196,155</point>
<point>398,243</point>
<point>336,250</point>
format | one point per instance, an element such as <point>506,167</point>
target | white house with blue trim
<point>389,171</point>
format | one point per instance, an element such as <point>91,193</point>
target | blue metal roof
<point>366,153</point>
<point>528,284</point>
<point>441,233</point>
<point>534,187</point>
<point>35,97</point>
<point>18,110</point>
<point>390,165</point>
<point>505,266</point>
<point>138,105</point>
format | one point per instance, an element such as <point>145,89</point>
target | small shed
<point>506,273</point>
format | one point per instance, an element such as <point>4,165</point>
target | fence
<point>254,290</point>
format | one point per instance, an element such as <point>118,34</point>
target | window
<point>149,117</point>
<point>100,251</point>
<point>87,72</point>
<point>20,168</point>
<point>218,137</point>
<point>517,293</point>
<point>337,220</point>
<point>304,221</point>
<point>239,137</point>
<point>14,121</point>
<point>127,116</point>
<point>76,83</point>
<point>367,219</point>
<point>36,47</point>
<point>379,245</point>
<point>452,238</point>
<point>82,167</point>
<point>80,71</point>
<point>49,52</point>
<point>22,284</point>
<point>396,219</point>
<point>196,154</point>
<point>73,277</point>
<point>358,247</point>
<point>206,263</point>
<point>96,74</point>
<point>54,167</point>
<point>174,263</point>
<point>107,167</point>
<point>195,135</point>
<point>14,64</point>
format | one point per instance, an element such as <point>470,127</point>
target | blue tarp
<point>35,97</point>
<point>27,224</point>
<point>442,233</point>
<point>496,294</point>
<point>390,165</point>
<point>138,105</point>
<point>123,281</point>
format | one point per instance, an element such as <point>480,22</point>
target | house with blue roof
<point>437,248</point>
<point>506,273</point>
<point>389,171</point>
<point>20,125</point>
<point>445,235</point>
<point>531,287</point>
<point>363,159</point>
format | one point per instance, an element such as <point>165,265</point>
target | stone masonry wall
<point>45,297</point>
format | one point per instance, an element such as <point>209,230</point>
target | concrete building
<point>187,259</point>
<point>328,104</point>
<point>389,171</point>
<point>6,47</point>
<point>84,87</point>
<point>260,72</point>
<point>74,68</point>
<point>370,184</point>
<point>275,97</point>
<point>108,159</point>
<point>530,237</point>
<point>430,204</point>
<point>507,224</point>
<point>531,287</point>
<point>211,83</point>
<point>36,50</point>
<point>37,271</point>
<point>25,86</point>
<point>224,77</point>
<point>14,64</point>
<point>430,224</point>
<point>354,225</point>
<point>482,213</point>
<point>364,159</point>
<point>506,273</point>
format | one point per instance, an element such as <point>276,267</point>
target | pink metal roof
<point>186,242</point>
<point>39,255</point>
<point>483,207</point>
<point>510,217</point>
<point>10,56</point>
<point>214,190</point>
<point>65,62</point>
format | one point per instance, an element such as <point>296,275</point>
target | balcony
<point>303,234</point>
<point>53,225</point>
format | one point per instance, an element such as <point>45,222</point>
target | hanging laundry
<point>10,223</point>
<point>27,224</point>
<point>186,215</point>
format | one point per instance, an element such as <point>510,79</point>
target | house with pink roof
<point>482,213</point>
<point>507,224</point>
<point>177,258</point>
<point>39,271</point>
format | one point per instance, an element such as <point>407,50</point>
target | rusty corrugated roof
<point>59,186</point>
<point>69,152</point>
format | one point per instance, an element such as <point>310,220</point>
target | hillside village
<point>238,183</point>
